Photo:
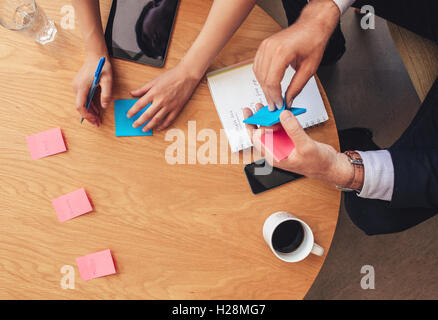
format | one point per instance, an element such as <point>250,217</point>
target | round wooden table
<point>175,231</point>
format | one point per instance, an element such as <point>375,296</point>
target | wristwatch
<point>356,182</point>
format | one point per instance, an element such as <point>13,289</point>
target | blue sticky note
<point>123,124</point>
<point>267,118</point>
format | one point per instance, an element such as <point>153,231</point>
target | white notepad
<point>235,87</point>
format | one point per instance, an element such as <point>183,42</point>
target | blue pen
<point>95,84</point>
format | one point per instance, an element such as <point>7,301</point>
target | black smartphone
<point>260,182</point>
<point>140,30</point>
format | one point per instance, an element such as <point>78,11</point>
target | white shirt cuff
<point>379,175</point>
<point>343,5</point>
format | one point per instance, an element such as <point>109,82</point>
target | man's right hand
<point>311,158</point>
<point>82,83</point>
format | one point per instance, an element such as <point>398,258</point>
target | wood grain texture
<point>175,231</point>
<point>420,57</point>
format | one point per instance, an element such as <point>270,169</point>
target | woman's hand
<point>168,94</point>
<point>82,83</point>
<point>301,45</point>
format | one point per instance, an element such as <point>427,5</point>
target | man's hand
<point>82,83</point>
<point>309,157</point>
<point>301,45</point>
<point>168,94</point>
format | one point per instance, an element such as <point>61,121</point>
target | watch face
<point>354,157</point>
<point>356,161</point>
<point>344,189</point>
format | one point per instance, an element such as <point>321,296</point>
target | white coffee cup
<point>306,247</point>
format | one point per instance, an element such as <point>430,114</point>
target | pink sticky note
<point>277,143</point>
<point>71,205</point>
<point>95,265</point>
<point>46,143</point>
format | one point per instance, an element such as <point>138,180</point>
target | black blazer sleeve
<point>415,178</point>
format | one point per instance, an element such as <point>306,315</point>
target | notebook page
<point>236,87</point>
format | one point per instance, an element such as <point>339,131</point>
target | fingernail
<point>287,115</point>
<point>279,105</point>
<point>134,125</point>
<point>271,108</point>
<point>128,116</point>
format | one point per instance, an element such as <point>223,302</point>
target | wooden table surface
<point>175,231</point>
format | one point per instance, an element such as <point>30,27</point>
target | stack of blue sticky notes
<point>123,124</point>
<point>267,118</point>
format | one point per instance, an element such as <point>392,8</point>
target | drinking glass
<point>27,17</point>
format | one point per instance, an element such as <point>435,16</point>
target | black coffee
<point>288,236</point>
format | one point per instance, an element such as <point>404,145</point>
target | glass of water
<point>27,17</point>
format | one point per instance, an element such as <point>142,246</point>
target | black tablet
<point>140,30</point>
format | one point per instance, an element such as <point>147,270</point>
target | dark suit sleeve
<point>415,178</point>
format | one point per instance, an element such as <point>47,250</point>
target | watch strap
<point>356,181</point>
